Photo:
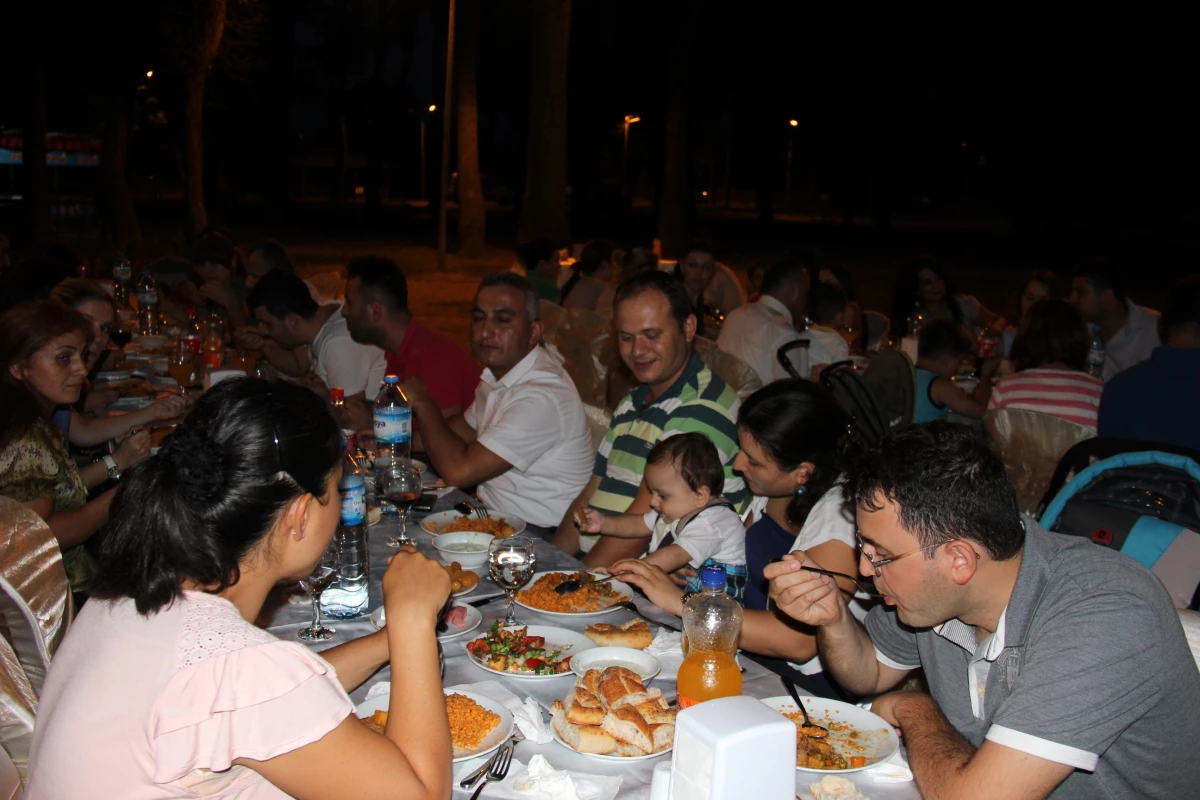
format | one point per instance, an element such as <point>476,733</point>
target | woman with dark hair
<point>591,279</point>
<point>1040,285</point>
<point>791,435</point>
<point>1049,355</point>
<point>43,352</point>
<point>164,687</point>
<point>923,286</point>
<point>220,266</point>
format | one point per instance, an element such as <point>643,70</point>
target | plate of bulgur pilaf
<point>478,724</point>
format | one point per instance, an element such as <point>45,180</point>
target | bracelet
<point>687,595</point>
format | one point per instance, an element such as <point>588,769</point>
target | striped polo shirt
<point>698,402</point>
<point>1068,394</point>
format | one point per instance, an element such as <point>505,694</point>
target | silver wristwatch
<point>114,471</point>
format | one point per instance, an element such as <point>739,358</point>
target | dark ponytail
<point>594,253</point>
<point>796,421</point>
<point>197,508</point>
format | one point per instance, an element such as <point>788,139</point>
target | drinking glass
<point>322,575</point>
<point>181,365</point>
<point>402,487</point>
<point>511,563</point>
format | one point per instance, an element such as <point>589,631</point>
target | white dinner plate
<point>473,621</point>
<point>876,739</point>
<point>498,736</point>
<point>602,658</point>
<point>622,589</point>
<point>434,522</point>
<point>570,642</point>
<point>114,376</point>
<point>599,757</point>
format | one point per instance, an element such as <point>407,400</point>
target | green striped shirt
<point>698,402</point>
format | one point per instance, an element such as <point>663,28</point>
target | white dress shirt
<point>533,419</point>
<point>825,347</point>
<point>1133,342</point>
<point>338,360</point>
<point>755,332</point>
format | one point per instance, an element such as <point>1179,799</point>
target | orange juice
<point>181,372</point>
<point>707,675</point>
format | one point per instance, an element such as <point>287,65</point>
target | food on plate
<point>835,787</point>
<point>461,580</point>
<point>635,634</point>
<point>376,721</point>
<point>580,518</point>
<point>506,650</point>
<point>134,388</point>
<point>456,616</point>
<point>588,599</point>
<point>374,514</point>
<point>815,751</point>
<point>496,527</point>
<point>613,713</point>
<point>470,723</point>
<point>465,547</point>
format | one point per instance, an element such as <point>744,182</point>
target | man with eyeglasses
<point>1055,667</point>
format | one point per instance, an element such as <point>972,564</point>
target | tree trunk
<point>193,153</point>
<point>472,215</point>
<point>33,154</point>
<point>673,211</point>
<point>118,199</point>
<point>544,211</point>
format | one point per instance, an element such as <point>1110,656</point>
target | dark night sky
<point>1077,108</point>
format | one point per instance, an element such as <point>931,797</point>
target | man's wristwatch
<point>114,471</point>
<point>687,596</point>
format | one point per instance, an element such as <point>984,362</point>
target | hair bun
<point>200,465</point>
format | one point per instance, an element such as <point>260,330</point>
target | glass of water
<point>511,563</point>
<point>322,575</point>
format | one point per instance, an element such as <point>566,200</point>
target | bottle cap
<point>337,394</point>
<point>391,380</point>
<point>712,577</point>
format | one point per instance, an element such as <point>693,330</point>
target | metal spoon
<point>569,587</point>
<point>466,509</point>
<point>808,723</point>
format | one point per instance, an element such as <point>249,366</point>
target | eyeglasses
<point>879,565</point>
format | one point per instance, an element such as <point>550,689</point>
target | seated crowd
<point>1053,666</point>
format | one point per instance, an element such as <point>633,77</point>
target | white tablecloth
<point>636,776</point>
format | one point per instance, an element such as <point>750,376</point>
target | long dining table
<point>287,619</point>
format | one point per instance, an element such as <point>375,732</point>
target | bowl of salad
<point>527,651</point>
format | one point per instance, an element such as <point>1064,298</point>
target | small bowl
<point>160,364</point>
<point>600,658</point>
<point>470,559</point>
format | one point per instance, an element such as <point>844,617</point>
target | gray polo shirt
<point>1088,667</point>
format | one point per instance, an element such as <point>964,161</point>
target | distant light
<point>432,109</point>
<point>704,194</point>
<point>149,73</point>
<point>630,119</point>
<point>964,144</point>
<point>794,123</point>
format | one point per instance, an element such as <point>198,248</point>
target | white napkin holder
<point>733,747</point>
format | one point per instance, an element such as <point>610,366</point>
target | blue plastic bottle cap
<point>712,577</point>
<point>391,379</point>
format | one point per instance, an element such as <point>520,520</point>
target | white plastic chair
<point>728,367</point>
<point>18,707</point>
<point>598,420</point>
<point>1191,629</point>
<point>10,779</point>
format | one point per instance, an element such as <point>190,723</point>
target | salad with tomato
<point>511,650</point>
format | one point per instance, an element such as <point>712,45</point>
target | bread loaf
<point>612,712</point>
<point>627,725</point>
<point>635,634</point>
<point>583,738</point>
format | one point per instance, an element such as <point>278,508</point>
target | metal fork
<point>498,770</point>
<point>469,508</point>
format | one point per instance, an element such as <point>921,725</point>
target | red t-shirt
<point>435,358</point>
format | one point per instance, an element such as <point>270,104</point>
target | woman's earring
<point>800,490</point>
<point>299,534</point>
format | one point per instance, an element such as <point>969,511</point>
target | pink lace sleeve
<point>238,692</point>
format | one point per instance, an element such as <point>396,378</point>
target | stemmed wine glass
<point>511,563</point>
<point>322,575</point>
<point>402,488</point>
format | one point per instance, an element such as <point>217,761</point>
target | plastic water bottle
<point>147,301</point>
<point>393,422</point>
<point>712,622</point>
<point>122,272</point>
<point>347,597</point>
<point>1096,353</point>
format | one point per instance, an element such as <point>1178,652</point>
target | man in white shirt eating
<point>524,442</point>
<point>754,333</point>
<point>290,317</point>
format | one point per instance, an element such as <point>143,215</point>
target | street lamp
<point>629,120</point>
<point>149,73</point>
<point>421,119</point>
<point>787,175</point>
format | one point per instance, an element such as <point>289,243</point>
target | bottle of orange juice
<point>712,622</point>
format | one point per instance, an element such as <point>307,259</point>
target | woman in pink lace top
<point>164,688</point>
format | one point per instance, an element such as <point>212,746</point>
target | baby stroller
<point>878,399</point>
<point>1145,504</point>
